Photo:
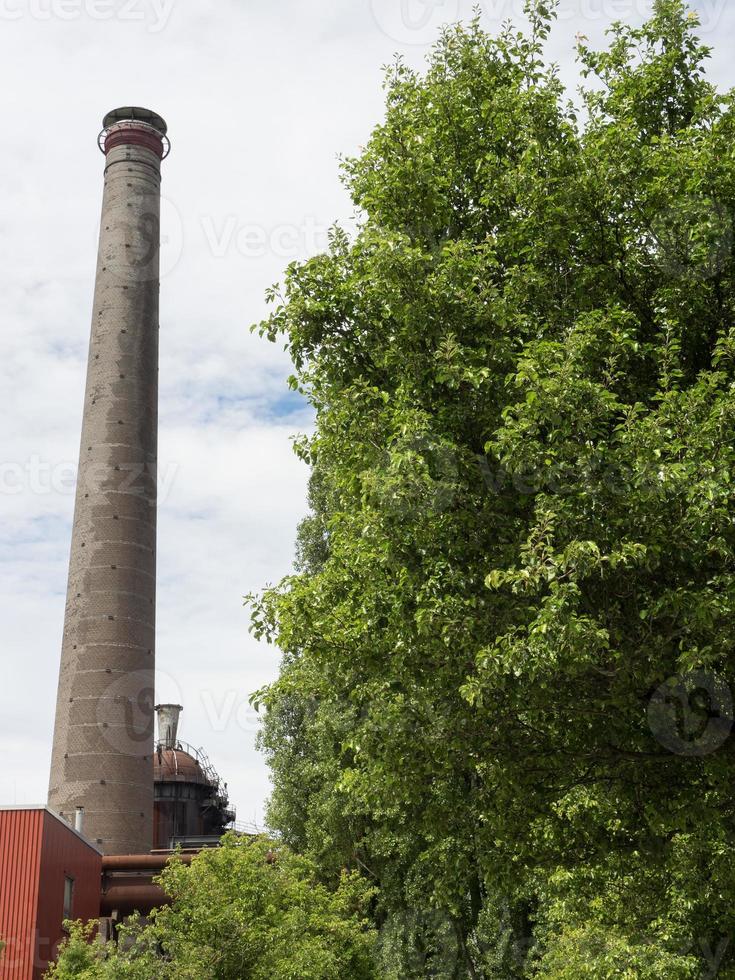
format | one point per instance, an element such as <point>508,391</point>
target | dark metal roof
<point>132,112</point>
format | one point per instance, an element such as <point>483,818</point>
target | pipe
<point>79,819</point>
<point>141,862</point>
<point>138,898</point>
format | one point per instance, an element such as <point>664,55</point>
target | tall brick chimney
<point>103,739</point>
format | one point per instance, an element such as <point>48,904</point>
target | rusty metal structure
<point>128,885</point>
<point>103,739</point>
<point>191,804</point>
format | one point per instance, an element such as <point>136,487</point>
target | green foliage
<point>606,955</point>
<point>83,956</point>
<point>246,911</point>
<point>522,369</point>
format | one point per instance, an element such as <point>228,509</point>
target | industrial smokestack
<point>103,738</point>
<point>168,724</point>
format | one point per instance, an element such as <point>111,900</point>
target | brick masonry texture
<point>103,739</point>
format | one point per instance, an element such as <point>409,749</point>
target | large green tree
<point>508,645</point>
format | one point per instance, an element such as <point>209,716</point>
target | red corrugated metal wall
<point>20,861</point>
<point>37,852</point>
<point>64,854</point>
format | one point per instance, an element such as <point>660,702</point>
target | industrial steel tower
<point>103,740</point>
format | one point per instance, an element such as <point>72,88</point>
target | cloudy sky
<point>260,99</point>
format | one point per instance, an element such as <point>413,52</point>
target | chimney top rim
<point>135,114</point>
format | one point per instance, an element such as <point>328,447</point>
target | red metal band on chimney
<point>132,135</point>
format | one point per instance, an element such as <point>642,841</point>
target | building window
<point>68,898</point>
